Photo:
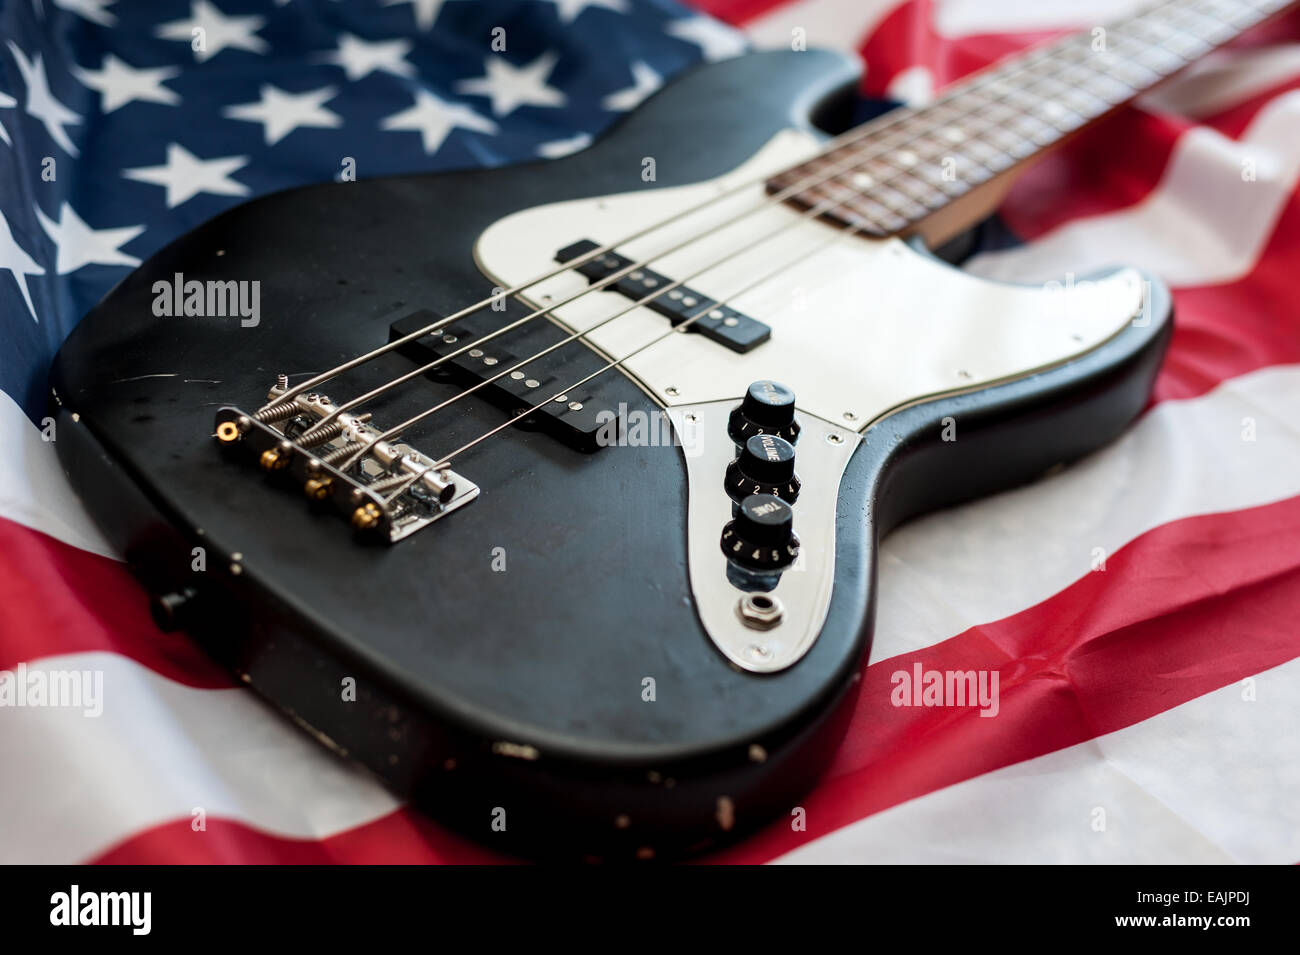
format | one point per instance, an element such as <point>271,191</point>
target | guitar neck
<point>934,170</point>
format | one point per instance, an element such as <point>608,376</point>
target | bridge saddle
<point>386,489</point>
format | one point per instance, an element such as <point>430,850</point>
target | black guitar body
<point>516,695</point>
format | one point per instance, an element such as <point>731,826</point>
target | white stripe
<point>1223,79</point>
<point>957,18</point>
<point>829,24</point>
<point>955,569</point>
<point>33,490</point>
<point>77,785</point>
<point>1204,223</point>
<point>1211,781</point>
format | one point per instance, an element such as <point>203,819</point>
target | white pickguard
<point>859,329</point>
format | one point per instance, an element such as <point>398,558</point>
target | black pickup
<point>575,420</point>
<point>719,323</point>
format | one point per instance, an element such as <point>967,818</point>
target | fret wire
<point>1002,123</point>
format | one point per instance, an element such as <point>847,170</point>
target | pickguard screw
<point>850,416</point>
<point>671,391</point>
<point>834,438</point>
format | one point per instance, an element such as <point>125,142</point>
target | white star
<point>120,83</point>
<point>426,11</point>
<point>219,31</point>
<point>568,10</point>
<point>360,57</point>
<point>80,245</point>
<point>717,40</point>
<point>185,175</point>
<point>41,103</point>
<point>435,118</point>
<point>6,102</point>
<point>15,260</point>
<point>510,86</point>
<point>281,113</point>
<point>644,82</point>
<point>563,147</point>
<point>90,9</point>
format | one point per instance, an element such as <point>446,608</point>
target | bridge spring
<point>318,435</point>
<point>390,482</point>
<point>338,454</point>
<point>276,412</point>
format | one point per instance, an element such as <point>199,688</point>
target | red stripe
<point>400,838</point>
<point>1185,609</point>
<point>1094,175</point>
<point>1109,167</point>
<point>60,599</point>
<point>736,12</point>
<point>906,37</point>
<point>1221,331</point>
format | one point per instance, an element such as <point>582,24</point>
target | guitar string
<point>774,199</point>
<point>839,236</point>
<point>392,432</point>
<point>604,282</point>
<point>990,74</point>
<point>849,137</point>
<point>547,310</point>
<point>816,210</point>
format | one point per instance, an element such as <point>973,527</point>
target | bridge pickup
<point>574,420</point>
<point>719,323</point>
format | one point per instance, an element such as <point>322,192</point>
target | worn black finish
<point>521,690</point>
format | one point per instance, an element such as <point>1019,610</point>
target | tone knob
<point>767,408</point>
<point>765,466</point>
<point>762,534</point>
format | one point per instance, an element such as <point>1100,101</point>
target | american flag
<point>1140,606</point>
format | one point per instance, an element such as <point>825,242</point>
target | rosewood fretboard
<point>898,171</point>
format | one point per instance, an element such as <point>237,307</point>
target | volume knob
<point>762,534</point>
<point>765,466</point>
<point>767,408</point>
